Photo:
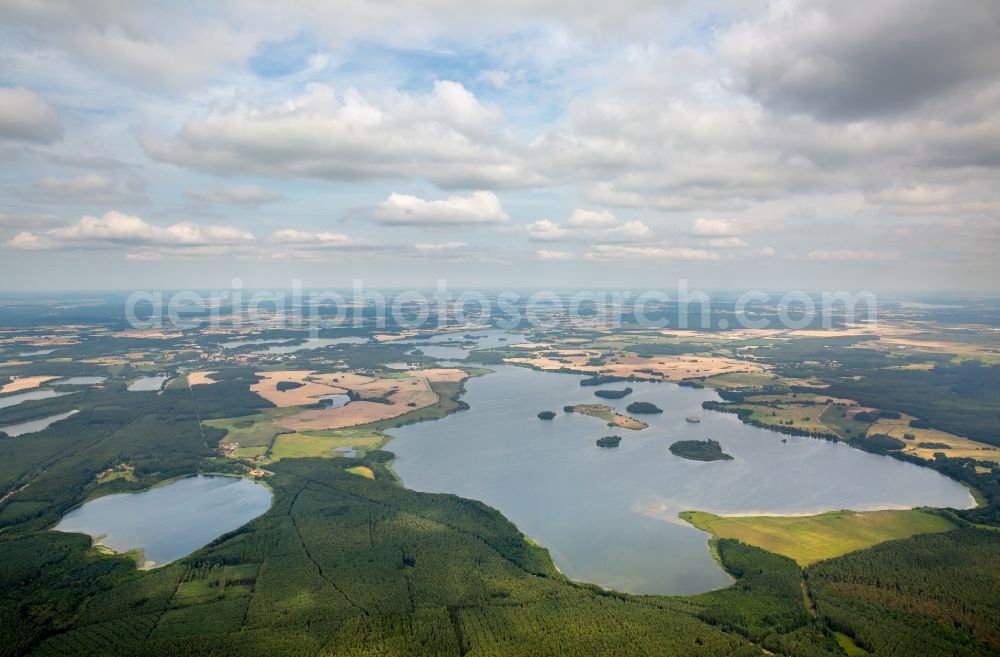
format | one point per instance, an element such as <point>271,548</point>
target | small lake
<point>36,425</point>
<point>172,521</point>
<point>147,383</point>
<point>609,516</point>
<point>17,398</point>
<point>334,401</point>
<point>80,381</point>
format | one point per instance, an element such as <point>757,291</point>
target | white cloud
<point>323,239</point>
<point>704,227</point>
<point>124,230</point>
<point>846,255</point>
<point>548,254</point>
<point>244,195</point>
<point>447,137</point>
<point>24,116</point>
<point>480,207</point>
<point>438,248</point>
<point>91,188</point>
<point>588,226</point>
<point>622,252</point>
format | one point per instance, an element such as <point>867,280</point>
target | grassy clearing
<point>847,644</point>
<point>254,433</point>
<point>322,443</point>
<point>808,539</point>
<point>799,416</point>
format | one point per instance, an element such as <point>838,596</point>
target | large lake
<point>609,516</point>
<point>169,522</point>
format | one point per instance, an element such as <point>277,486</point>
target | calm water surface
<point>80,381</point>
<point>609,516</point>
<point>147,383</point>
<point>15,399</point>
<point>312,343</point>
<point>446,346</point>
<point>36,425</point>
<point>172,521</point>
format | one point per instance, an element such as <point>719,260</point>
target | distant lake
<point>36,425</point>
<point>312,343</point>
<point>37,352</point>
<point>172,521</point>
<point>147,383</point>
<point>80,381</point>
<point>13,400</point>
<point>445,346</point>
<point>233,344</point>
<point>609,516</point>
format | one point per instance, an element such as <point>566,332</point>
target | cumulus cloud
<point>480,207</point>
<point>24,116</point>
<point>244,195</point>
<point>588,226</point>
<point>446,136</point>
<point>323,239</point>
<point>847,61</point>
<point>92,189</point>
<point>120,229</point>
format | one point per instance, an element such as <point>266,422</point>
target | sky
<point>816,145</point>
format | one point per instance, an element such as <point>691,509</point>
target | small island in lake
<point>608,414</point>
<point>700,450</point>
<point>643,407</point>
<point>613,394</point>
<point>609,441</point>
<point>546,415</point>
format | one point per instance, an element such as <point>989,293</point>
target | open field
<point>656,368</point>
<point>305,394</point>
<point>25,383</point>
<point>958,447</point>
<point>808,539</point>
<point>392,397</point>
<point>254,433</point>
<point>200,378</point>
<point>362,471</point>
<point>609,415</point>
<point>322,443</point>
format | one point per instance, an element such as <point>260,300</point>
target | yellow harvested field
<point>403,395</point>
<point>25,383</point>
<point>200,378</point>
<point>305,394</point>
<point>958,446</point>
<point>669,368</point>
<point>362,471</point>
